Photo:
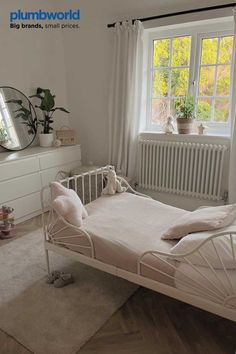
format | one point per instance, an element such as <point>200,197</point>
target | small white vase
<point>46,140</point>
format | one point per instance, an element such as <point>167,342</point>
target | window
<point>214,79</point>
<point>195,60</point>
<point>170,77</point>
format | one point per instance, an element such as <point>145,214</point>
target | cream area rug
<point>48,320</point>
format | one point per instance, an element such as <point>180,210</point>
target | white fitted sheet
<point>125,225</point>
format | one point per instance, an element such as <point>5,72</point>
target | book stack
<point>7,226</point>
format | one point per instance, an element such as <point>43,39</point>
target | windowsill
<point>205,138</point>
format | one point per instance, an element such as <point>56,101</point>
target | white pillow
<point>222,244</point>
<point>204,219</point>
<point>68,204</point>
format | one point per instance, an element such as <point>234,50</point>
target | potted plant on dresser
<point>47,106</point>
<point>185,109</point>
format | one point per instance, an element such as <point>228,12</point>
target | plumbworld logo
<point>70,15</point>
<point>40,15</point>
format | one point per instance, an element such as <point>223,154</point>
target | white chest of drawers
<point>24,173</point>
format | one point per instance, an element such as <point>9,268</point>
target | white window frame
<point>218,126</point>
<point>201,29</point>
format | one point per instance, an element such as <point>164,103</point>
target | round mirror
<point>18,121</point>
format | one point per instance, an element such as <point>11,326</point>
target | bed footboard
<point>210,276</point>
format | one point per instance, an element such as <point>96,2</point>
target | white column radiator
<point>184,168</point>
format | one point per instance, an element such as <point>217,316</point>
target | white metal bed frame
<point>212,294</point>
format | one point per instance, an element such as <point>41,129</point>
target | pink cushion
<point>205,219</point>
<point>68,204</point>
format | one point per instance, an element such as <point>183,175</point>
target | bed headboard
<point>87,185</point>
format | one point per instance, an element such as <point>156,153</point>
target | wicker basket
<point>66,136</point>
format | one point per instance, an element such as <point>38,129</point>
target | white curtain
<point>232,170</point>
<point>125,97</point>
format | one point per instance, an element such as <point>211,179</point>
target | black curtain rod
<point>217,7</point>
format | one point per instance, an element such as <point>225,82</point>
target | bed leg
<point>47,261</point>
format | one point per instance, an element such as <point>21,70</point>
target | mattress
<point>123,227</point>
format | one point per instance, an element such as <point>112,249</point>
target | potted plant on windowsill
<point>47,106</point>
<point>185,108</point>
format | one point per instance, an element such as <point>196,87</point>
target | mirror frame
<point>34,112</point>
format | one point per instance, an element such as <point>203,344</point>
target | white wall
<point>32,58</point>
<point>76,64</point>
<point>88,61</point>
<point>88,65</point>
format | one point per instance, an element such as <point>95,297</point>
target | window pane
<point>161,52</point>
<point>160,83</point>
<point>179,82</point>
<point>209,50</point>
<point>181,51</point>
<point>160,110</point>
<point>221,110</point>
<point>204,109</point>
<point>223,80</point>
<point>207,81</point>
<point>226,45</point>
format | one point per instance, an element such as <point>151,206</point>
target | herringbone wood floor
<point>149,323</point>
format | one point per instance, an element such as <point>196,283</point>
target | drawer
<point>19,187</point>
<point>18,168</point>
<point>50,175</point>
<point>60,157</point>
<point>26,205</point>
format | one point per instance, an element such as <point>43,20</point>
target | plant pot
<point>46,140</point>
<point>184,125</point>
